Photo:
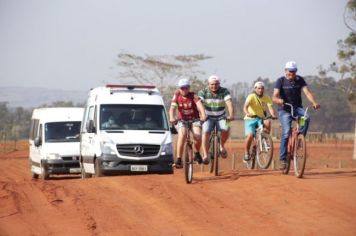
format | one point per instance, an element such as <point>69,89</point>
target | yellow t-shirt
<point>255,107</point>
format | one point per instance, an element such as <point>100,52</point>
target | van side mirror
<point>38,141</point>
<point>91,127</point>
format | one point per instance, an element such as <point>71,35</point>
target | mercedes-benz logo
<point>138,150</point>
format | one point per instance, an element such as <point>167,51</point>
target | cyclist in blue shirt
<point>288,89</point>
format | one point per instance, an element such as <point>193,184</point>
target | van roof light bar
<point>130,86</point>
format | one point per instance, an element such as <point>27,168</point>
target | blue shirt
<point>290,91</point>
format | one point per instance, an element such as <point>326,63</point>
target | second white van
<point>54,141</point>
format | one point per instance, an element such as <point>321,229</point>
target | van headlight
<point>108,148</point>
<point>53,156</point>
<point>167,149</point>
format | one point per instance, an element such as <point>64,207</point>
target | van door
<point>87,140</point>
<point>36,141</point>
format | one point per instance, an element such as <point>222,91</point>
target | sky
<point>73,44</point>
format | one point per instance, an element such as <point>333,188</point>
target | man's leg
<point>267,125</point>
<point>197,143</point>
<point>207,127</point>
<point>285,119</point>
<point>222,125</point>
<point>180,143</point>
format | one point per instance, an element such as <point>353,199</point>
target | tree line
<point>336,114</point>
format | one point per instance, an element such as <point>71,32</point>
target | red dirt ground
<point>240,202</point>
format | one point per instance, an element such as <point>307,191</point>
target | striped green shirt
<point>214,104</point>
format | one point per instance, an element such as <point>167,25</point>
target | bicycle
<point>188,152</point>
<point>261,149</point>
<point>214,149</point>
<point>296,150</point>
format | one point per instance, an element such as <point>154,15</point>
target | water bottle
<point>302,120</point>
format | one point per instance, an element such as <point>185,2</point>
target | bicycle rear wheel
<point>188,163</point>
<point>250,164</point>
<point>300,156</point>
<point>264,151</point>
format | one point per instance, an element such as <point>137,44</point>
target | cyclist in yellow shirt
<point>255,110</point>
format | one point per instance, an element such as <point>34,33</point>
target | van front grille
<point>138,150</point>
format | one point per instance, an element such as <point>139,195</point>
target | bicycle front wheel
<point>211,153</point>
<point>264,151</point>
<point>188,163</point>
<point>216,155</point>
<point>300,156</point>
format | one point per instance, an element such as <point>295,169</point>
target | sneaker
<point>282,164</point>
<point>247,157</point>
<point>223,153</point>
<point>197,158</point>
<point>178,163</point>
<point>206,161</point>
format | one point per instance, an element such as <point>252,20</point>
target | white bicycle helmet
<point>291,66</point>
<point>183,83</point>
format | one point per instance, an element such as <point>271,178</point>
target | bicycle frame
<point>293,142</point>
<point>214,148</point>
<point>262,144</point>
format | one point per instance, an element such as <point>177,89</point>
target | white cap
<point>291,66</point>
<point>259,83</point>
<point>213,78</point>
<point>183,83</point>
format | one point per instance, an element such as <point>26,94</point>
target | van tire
<point>98,171</point>
<point>44,171</point>
<point>83,174</point>
<point>34,175</point>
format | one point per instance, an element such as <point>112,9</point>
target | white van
<point>125,130</point>
<point>54,141</point>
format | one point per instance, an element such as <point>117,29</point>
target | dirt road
<point>237,203</point>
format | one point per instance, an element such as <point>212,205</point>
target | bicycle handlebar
<point>292,110</point>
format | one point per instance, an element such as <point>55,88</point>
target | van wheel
<point>98,171</point>
<point>84,175</point>
<point>45,174</point>
<point>34,175</point>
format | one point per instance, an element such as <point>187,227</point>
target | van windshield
<point>133,117</point>
<point>62,131</point>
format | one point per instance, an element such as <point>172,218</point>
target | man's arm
<point>246,105</point>
<point>310,97</point>
<point>230,109</point>
<point>271,110</point>
<point>172,113</point>
<point>201,110</point>
<point>276,98</point>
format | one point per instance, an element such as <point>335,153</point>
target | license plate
<point>138,168</point>
<point>74,170</point>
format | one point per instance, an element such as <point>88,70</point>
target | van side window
<point>40,132</point>
<point>90,117</point>
<point>34,128</point>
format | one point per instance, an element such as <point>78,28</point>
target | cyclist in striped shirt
<point>215,99</point>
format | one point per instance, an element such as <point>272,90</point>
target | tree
<point>350,15</point>
<point>161,70</point>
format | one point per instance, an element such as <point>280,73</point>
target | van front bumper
<point>111,165</point>
<point>56,166</point>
